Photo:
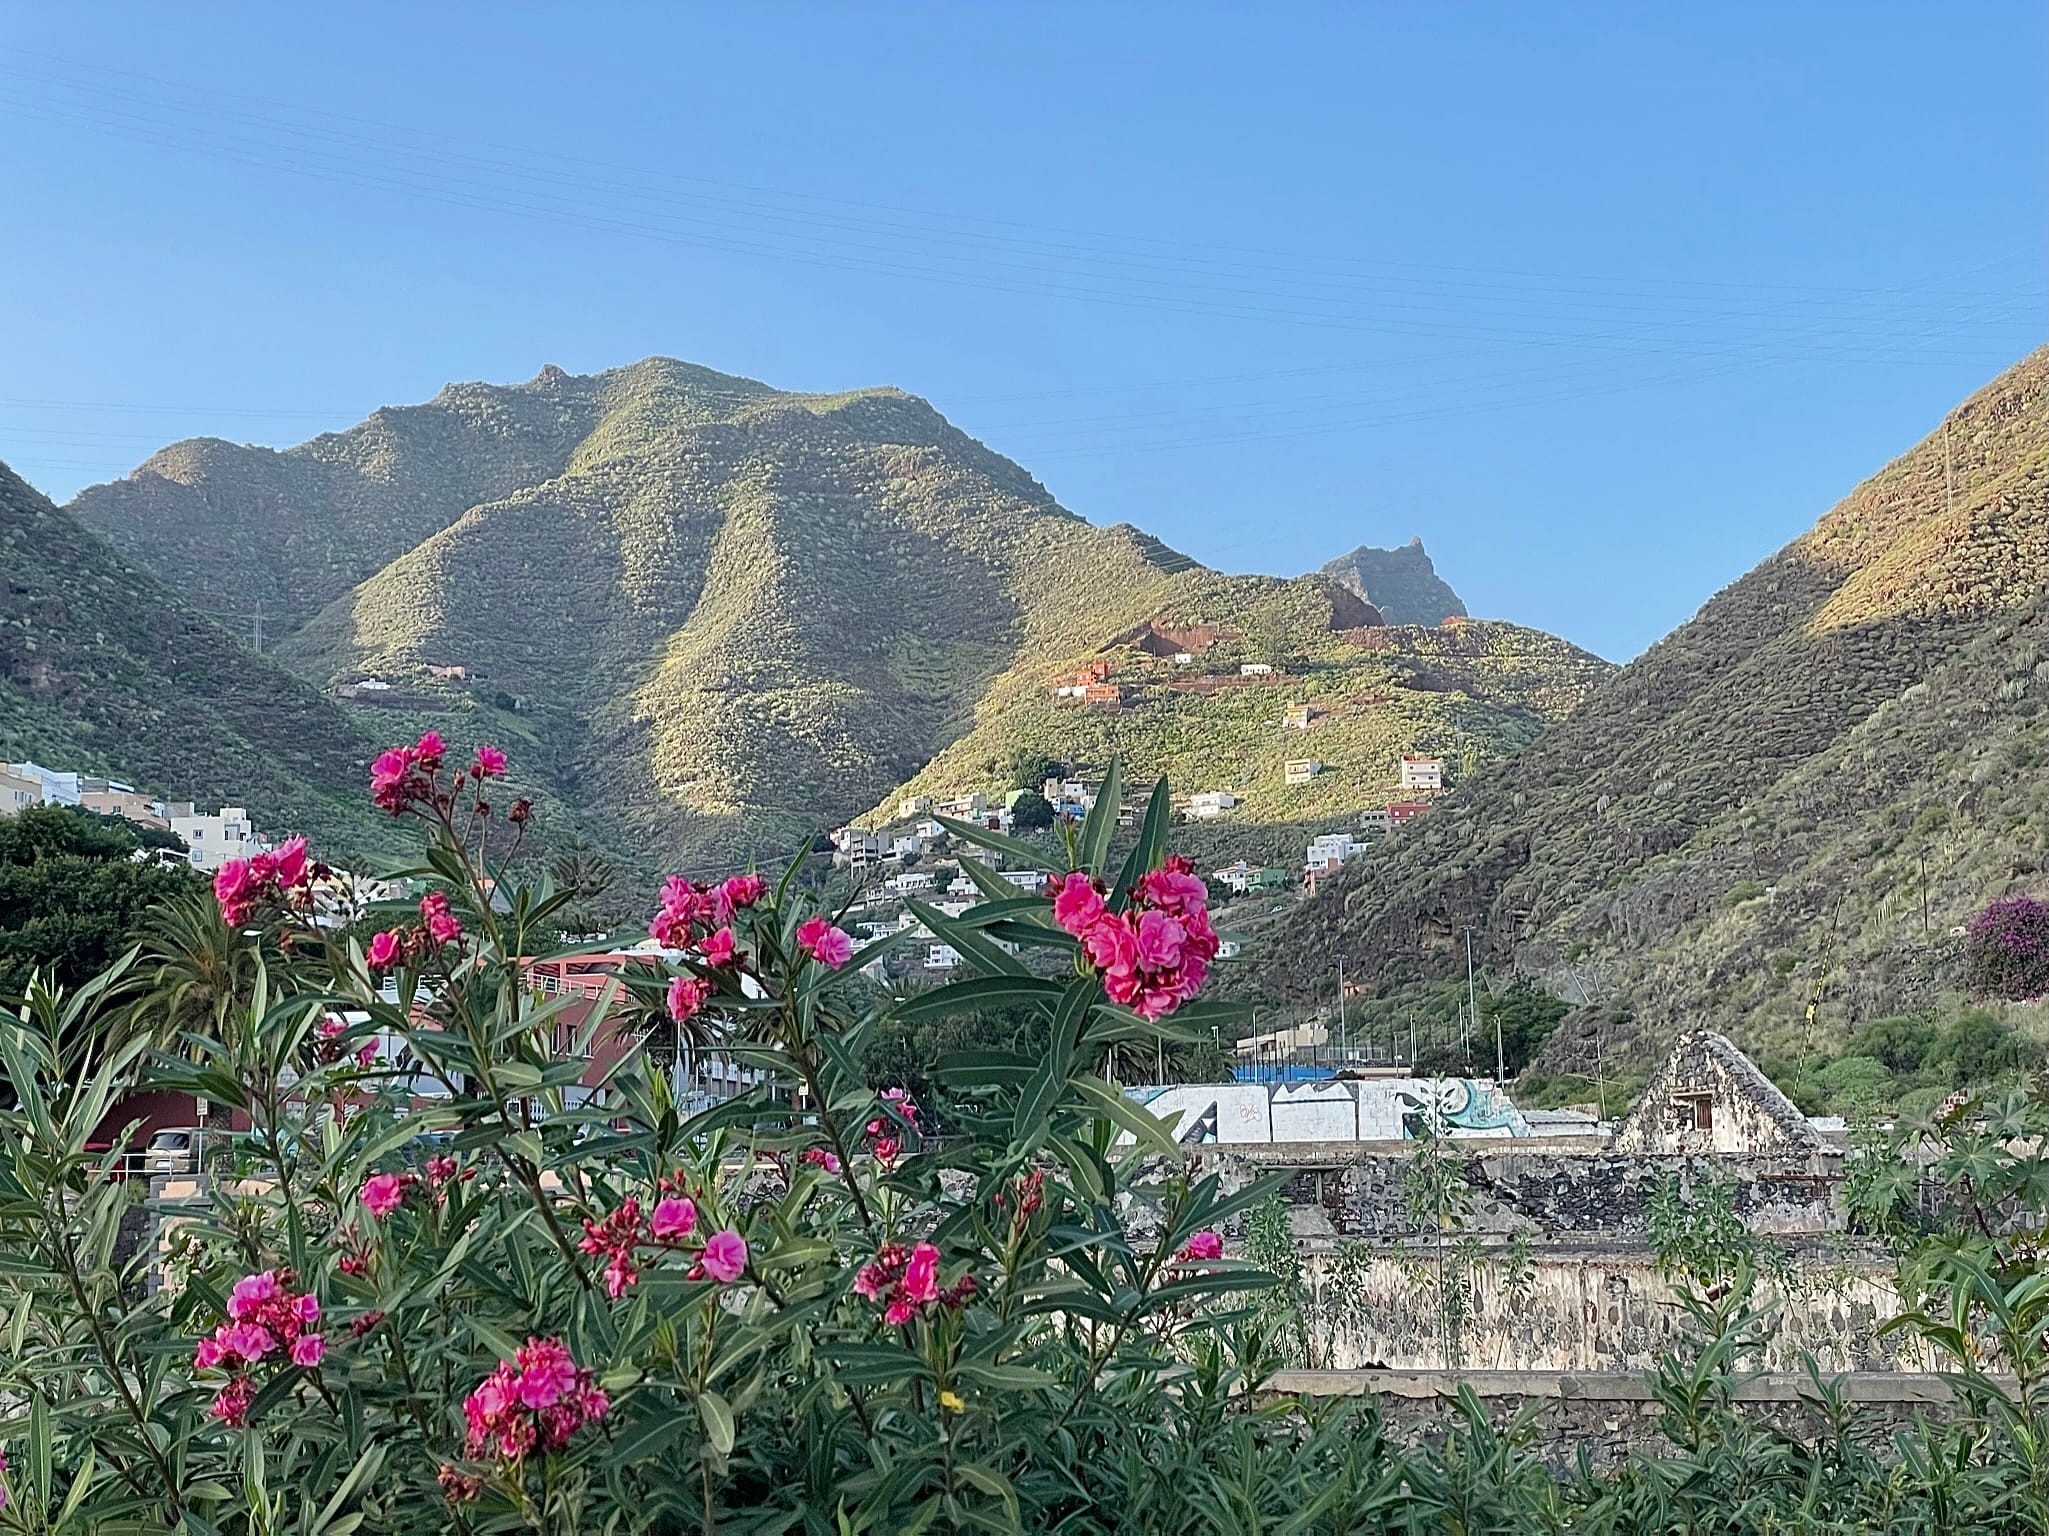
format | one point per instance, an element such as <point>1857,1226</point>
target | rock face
<point>1401,583</point>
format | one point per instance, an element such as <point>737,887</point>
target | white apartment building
<point>1033,880</point>
<point>1208,804</point>
<point>1423,773</point>
<point>53,788</point>
<point>215,839</point>
<point>1236,876</point>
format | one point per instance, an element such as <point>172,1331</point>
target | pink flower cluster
<point>278,875</point>
<point>906,1280</point>
<point>264,1314</point>
<point>882,1137</point>
<point>1154,955</point>
<point>329,1049</point>
<point>829,946</point>
<point>687,997</point>
<point>442,924</point>
<point>621,1234</point>
<point>689,912</point>
<point>538,1399</point>
<point>1202,1247</point>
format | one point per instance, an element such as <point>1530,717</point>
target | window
<point>1696,1110</point>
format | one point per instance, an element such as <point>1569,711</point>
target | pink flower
<point>898,1313</point>
<point>829,946</point>
<point>428,750</point>
<point>921,1275</point>
<point>673,1218</point>
<point>442,925</point>
<point>1111,945</point>
<point>288,864</point>
<point>308,1349</point>
<point>385,949</point>
<point>490,763</point>
<point>384,1193</point>
<point>547,1372</point>
<point>725,1256</point>
<point>231,1406</point>
<point>1204,1245</point>
<point>1173,889</point>
<point>366,1053</point>
<point>687,997</point>
<point>307,1308</point>
<point>252,1341</point>
<point>208,1354</point>
<point>234,883</point>
<point>390,780</point>
<point>332,1028</point>
<point>719,948</point>
<point>1078,905</point>
<point>1159,941</point>
<point>743,890</point>
<point>818,1157</point>
<point>252,1293</point>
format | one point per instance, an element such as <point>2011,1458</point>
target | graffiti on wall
<point>1376,1109</point>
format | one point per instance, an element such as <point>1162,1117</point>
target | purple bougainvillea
<point>2006,949</point>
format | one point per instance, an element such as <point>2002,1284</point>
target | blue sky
<point>1606,302</point>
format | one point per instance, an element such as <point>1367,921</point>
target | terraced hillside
<point>718,618</point>
<point>1775,819</point>
<point>104,670</point>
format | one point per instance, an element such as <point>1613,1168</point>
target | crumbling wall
<point>1575,1309</point>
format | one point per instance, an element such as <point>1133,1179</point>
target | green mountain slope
<point>718,617</point>
<point>105,671</point>
<point>1401,583</point>
<point>1742,827</point>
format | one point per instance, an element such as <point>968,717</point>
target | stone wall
<point>1584,1195</point>
<point>1582,1309</point>
<point>1609,1415</point>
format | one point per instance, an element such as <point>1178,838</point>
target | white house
<point>215,839</point>
<point>951,908</point>
<point>941,957</point>
<point>1208,804</point>
<point>1300,770</point>
<point>906,845</point>
<point>931,831</point>
<point>1332,849</point>
<point>1228,949</point>
<point>913,805</point>
<point>912,881</point>
<point>1422,773</point>
<point>1254,668</point>
<point>1184,658</point>
<point>1376,818</point>
<point>1236,876</point>
<point>961,885</point>
<point>968,807</point>
<point>1033,880</point>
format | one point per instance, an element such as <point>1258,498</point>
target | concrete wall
<point>1577,1309</point>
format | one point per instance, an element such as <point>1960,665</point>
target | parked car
<point>171,1152</point>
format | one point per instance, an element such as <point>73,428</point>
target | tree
<point>1030,768</point>
<point>586,875</point>
<point>1031,812</point>
<point>71,896</point>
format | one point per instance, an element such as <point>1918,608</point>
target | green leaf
<point>1151,844</point>
<point>1093,846</point>
<point>977,993</point>
<point>982,952</point>
<point>1024,853</point>
<point>1007,1378</point>
<point>718,1421</point>
<point>1127,1113</point>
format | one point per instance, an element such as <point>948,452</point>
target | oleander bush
<point>457,1276</point>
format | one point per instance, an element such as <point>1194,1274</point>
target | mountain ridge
<point>725,615</point>
<point>1616,858</point>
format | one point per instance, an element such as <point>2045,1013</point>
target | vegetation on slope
<point>1779,817</point>
<point>723,618</point>
<point>104,670</point>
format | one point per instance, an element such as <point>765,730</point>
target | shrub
<point>2006,949</point>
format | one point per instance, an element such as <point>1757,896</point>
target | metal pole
<point>1473,998</point>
